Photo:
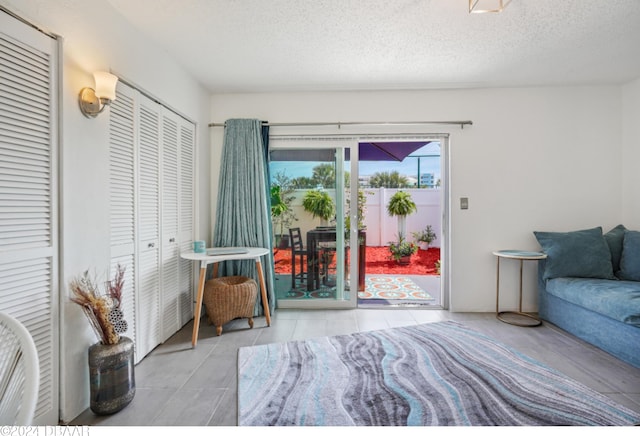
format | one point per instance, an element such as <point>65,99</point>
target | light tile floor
<point>181,385</point>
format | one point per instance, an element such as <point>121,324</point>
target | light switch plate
<point>464,203</point>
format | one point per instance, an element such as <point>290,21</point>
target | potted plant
<point>402,250</point>
<point>424,237</point>
<point>282,215</point>
<point>111,365</point>
<point>361,206</point>
<point>401,205</point>
<point>319,204</point>
<point>362,247</point>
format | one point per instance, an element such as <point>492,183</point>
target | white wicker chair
<point>19,373</point>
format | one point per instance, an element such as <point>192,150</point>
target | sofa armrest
<point>542,283</point>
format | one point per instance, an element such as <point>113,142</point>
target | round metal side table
<point>526,320</point>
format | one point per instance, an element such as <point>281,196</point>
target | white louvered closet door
<point>28,196</point>
<point>152,215</point>
<point>177,176</point>
<point>148,302</point>
<point>122,206</point>
<point>186,219</point>
<point>169,224</point>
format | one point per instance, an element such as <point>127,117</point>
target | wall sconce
<point>482,6</point>
<point>92,102</point>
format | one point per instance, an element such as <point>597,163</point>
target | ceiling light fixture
<point>92,102</point>
<point>482,6</point>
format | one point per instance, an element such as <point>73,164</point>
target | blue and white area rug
<point>438,374</point>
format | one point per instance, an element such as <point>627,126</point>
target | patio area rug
<point>439,374</point>
<point>393,288</point>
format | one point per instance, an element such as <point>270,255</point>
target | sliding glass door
<point>313,183</point>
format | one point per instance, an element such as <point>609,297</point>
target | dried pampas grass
<point>103,311</point>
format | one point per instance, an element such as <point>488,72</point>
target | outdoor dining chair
<point>299,252</point>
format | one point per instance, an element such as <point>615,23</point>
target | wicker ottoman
<point>228,298</point>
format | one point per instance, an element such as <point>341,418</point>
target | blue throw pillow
<point>614,238</point>
<point>582,253</point>
<point>630,260</point>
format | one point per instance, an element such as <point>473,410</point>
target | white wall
<point>534,159</point>
<point>95,37</point>
<point>631,155</point>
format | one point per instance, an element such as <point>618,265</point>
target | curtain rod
<point>358,123</point>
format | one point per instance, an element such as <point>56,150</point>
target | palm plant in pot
<point>424,237</point>
<point>401,205</point>
<point>319,204</point>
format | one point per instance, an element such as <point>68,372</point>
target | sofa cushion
<point>614,238</point>
<point>616,299</point>
<point>630,260</point>
<point>581,253</point>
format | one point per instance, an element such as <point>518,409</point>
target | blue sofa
<point>589,286</point>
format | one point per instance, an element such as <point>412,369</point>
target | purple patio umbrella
<point>367,151</point>
<point>387,151</point>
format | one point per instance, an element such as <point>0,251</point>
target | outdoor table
<point>319,235</point>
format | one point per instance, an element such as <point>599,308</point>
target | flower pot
<point>404,260</point>
<point>423,245</point>
<point>111,376</point>
<point>282,241</point>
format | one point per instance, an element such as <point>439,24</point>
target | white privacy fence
<point>382,228</point>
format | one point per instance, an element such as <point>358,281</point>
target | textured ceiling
<point>309,45</point>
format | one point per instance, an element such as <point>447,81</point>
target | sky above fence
<point>429,163</point>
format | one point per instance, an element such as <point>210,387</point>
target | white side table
<point>252,253</point>
<point>527,319</point>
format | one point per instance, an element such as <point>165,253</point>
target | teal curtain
<point>243,217</point>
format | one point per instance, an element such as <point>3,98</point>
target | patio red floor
<point>378,261</point>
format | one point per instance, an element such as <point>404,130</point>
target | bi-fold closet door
<point>152,202</point>
<point>29,289</point>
